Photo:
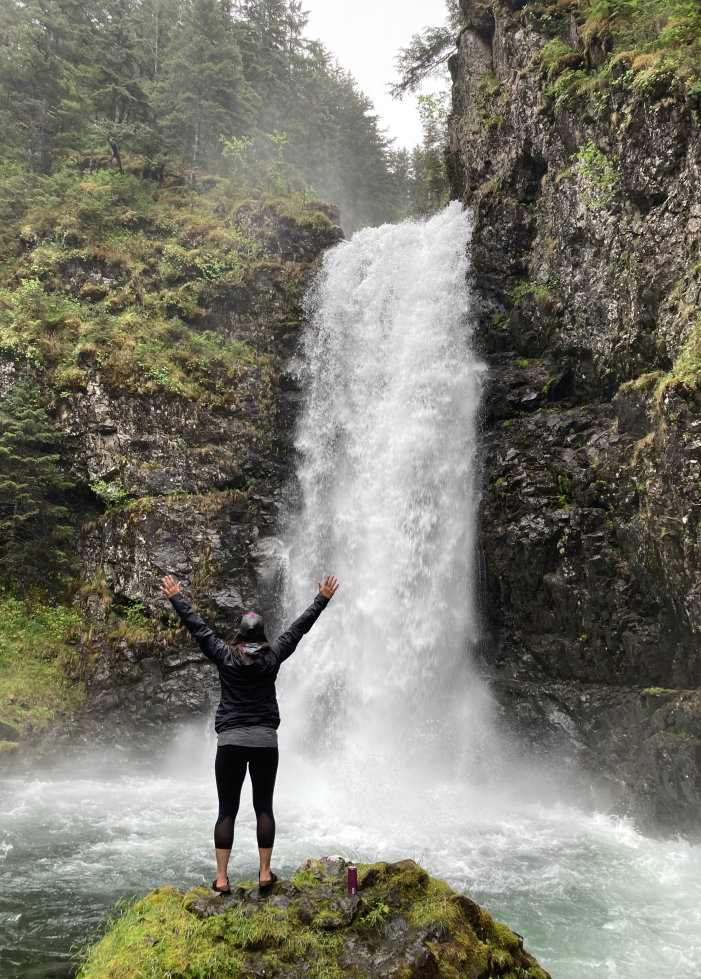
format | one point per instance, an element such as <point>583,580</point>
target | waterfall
<point>387,449</point>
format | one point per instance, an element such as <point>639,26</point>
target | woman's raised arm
<point>210,644</point>
<point>286,644</point>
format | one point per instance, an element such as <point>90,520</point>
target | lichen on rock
<point>402,924</point>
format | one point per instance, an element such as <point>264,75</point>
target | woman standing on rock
<point>247,718</point>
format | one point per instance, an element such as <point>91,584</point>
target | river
<point>591,895</point>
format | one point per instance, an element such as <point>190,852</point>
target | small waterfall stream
<point>388,748</point>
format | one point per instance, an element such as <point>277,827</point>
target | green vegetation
<point>686,735</point>
<point>158,937</point>
<point>33,517</point>
<point>36,663</point>
<point>599,172</point>
<point>564,491</point>
<point>102,273</point>
<point>154,154</point>
<point>111,494</point>
<point>685,372</point>
<point>552,52</point>
<point>427,53</point>
<point>544,293</point>
<point>654,691</point>
<point>188,88</point>
<point>169,934</point>
<point>647,48</point>
<point>687,367</point>
<point>423,169</point>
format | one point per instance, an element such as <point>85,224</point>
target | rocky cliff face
<point>187,481</point>
<point>587,232</point>
<point>208,482</point>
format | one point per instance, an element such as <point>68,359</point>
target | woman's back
<point>248,688</point>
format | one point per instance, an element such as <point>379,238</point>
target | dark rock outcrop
<point>586,258</point>
<point>401,924</point>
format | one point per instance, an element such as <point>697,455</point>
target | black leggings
<point>230,771</point>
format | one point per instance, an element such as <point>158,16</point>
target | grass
<point>35,663</point>
<point>685,374</point>
<point>109,270</point>
<point>649,49</point>
<point>544,294</point>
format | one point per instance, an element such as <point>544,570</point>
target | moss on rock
<point>401,924</point>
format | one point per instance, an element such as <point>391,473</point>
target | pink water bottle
<point>352,880</point>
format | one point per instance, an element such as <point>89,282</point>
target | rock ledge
<point>402,924</point>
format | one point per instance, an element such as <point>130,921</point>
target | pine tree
<point>33,519</point>
<point>204,93</point>
<point>428,184</point>
<point>427,54</point>
<point>114,100</point>
<point>37,52</point>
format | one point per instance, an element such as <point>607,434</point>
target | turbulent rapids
<point>388,744</point>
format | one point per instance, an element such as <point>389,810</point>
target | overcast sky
<point>365,35</point>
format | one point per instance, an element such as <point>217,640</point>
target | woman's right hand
<point>169,586</point>
<point>330,586</point>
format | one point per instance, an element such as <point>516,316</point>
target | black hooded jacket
<point>248,691</point>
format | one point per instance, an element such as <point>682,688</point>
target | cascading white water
<point>387,447</point>
<point>387,746</point>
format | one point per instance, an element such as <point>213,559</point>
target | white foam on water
<point>388,744</point>
<point>591,895</point>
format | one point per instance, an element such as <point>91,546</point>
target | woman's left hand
<point>169,587</point>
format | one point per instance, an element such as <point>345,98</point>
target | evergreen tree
<point>33,519</point>
<point>424,172</point>
<point>204,93</point>
<point>113,96</point>
<point>427,179</point>
<point>270,37</point>
<point>428,52</point>
<point>39,44</point>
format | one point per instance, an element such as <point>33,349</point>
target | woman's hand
<point>330,586</point>
<point>170,588</point>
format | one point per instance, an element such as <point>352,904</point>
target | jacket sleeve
<point>283,647</point>
<point>211,645</point>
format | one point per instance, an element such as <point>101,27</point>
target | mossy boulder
<point>401,924</point>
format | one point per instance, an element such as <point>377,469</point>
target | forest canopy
<point>229,87</point>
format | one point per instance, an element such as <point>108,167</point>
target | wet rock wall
<point>586,261</point>
<point>167,484</point>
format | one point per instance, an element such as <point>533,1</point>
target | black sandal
<point>222,890</point>
<point>268,883</point>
